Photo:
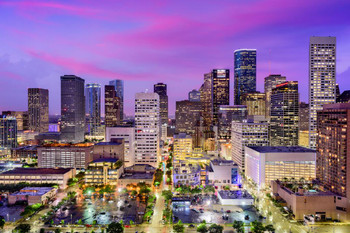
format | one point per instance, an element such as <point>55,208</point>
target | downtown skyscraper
<point>322,79</point>
<point>112,107</point>
<point>270,83</point>
<point>220,90</point>
<point>72,109</point>
<point>119,92</point>
<point>161,90</point>
<point>93,107</point>
<point>38,109</point>
<point>244,72</point>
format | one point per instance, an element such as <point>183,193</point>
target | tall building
<point>207,99</point>
<point>247,133</point>
<point>194,95</point>
<point>220,90</point>
<point>245,73</point>
<point>187,115</point>
<point>147,128</point>
<point>227,114</point>
<point>182,146</point>
<point>8,132</point>
<point>255,102</point>
<point>344,97</point>
<point>270,83</point>
<point>93,107</point>
<point>304,124</point>
<point>332,148</point>
<point>38,109</point>
<point>72,109</point>
<point>112,107</point>
<point>21,117</point>
<point>119,92</point>
<point>322,83</point>
<point>161,90</point>
<point>284,123</point>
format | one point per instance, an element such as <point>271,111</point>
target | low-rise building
<point>103,171</point>
<point>57,176</point>
<point>114,149</point>
<point>33,195</point>
<point>267,163</point>
<point>182,146</point>
<point>25,152</point>
<point>185,173</point>
<point>135,174</point>
<point>223,173</point>
<point>236,197</point>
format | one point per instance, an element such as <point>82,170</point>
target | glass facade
<point>93,107</point>
<point>119,92</point>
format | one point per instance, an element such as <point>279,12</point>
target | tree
<point>179,227</point>
<point>80,222</point>
<point>42,230</point>
<point>62,222</point>
<point>257,227</point>
<point>215,228</point>
<point>118,164</point>
<point>115,227</point>
<point>202,228</point>
<point>269,228</point>
<point>167,194</point>
<point>23,228</point>
<point>2,223</point>
<point>238,226</point>
<point>57,230</point>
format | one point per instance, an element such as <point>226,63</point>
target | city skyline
<point>109,52</point>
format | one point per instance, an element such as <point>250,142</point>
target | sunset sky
<point>144,42</point>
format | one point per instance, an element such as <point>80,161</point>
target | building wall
<point>255,102</point>
<point>182,148</point>
<point>109,151</point>
<point>270,83</point>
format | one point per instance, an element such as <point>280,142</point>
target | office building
<point>182,146</point>
<point>322,83</point>
<point>255,102</point>
<point>104,171</point>
<point>187,115</point>
<point>284,122</point>
<point>161,90</point>
<point>72,109</point>
<point>264,164</point>
<point>93,107</point>
<point>8,132</point>
<point>222,173</point>
<point>147,127</point>
<point>227,114</point>
<point>270,83</point>
<point>207,100</point>
<point>119,92</point>
<point>344,97</point>
<point>185,173</point>
<point>333,154</point>
<point>61,155</point>
<point>38,109</point>
<point>194,95</point>
<point>220,90</point>
<point>114,149</point>
<point>244,72</point>
<point>247,133</point>
<point>135,174</point>
<point>21,117</point>
<point>128,136</point>
<point>112,107</point>
<point>303,116</point>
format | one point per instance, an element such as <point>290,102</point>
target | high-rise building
<point>344,97</point>
<point>182,146</point>
<point>93,107</point>
<point>245,73</point>
<point>220,90</point>
<point>72,109</point>
<point>303,116</point>
<point>270,83</point>
<point>8,132</point>
<point>38,109</point>
<point>119,92</point>
<point>247,133</point>
<point>21,117</point>
<point>284,123</point>
<point>255,102</point>
<point>147,128</point>
<point>161,90</point>
<point>322,83</point>
<point>207,99</point>
<point>227,114</point>
<point>187,115</point>
<point>112,107</point>
<point>194,95</point>
<point>332,148</point>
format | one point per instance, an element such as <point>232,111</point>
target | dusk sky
<point>144,42</point>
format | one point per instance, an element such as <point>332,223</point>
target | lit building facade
<point>222,173</point>
<point>227,114</point>
<point>103,171</point>
<point>194,95</point>
<point>270,83</point>
<point>187,115</point>
<point>161,90</point>
<point>244,72</point>
<point>220,90</point>
<point>255,103</point>
<point>322,81</point>
<point>8,132</point>
<point>72,109</point>
<point>93,107</point>
<point>207,99</point>
<point>284,122</point>
<point>21,117</point>
<point>147,128</point>
<point>185,173</point>
<point>112,107</point>
<point>182,146</point>
<point>119,92</point>
<point>38,109</point>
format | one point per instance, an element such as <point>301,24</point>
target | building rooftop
<point>182,136</point>
<point>138,175</point>
<point>112,143</point>
<point>36,171</point>
<point>219,162</point>
<point>105,160</point>
<point>67,145</point>
<point>237,194</point>
<point>279,149</point>
<point>33,191</point>
<point>34,148</point>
